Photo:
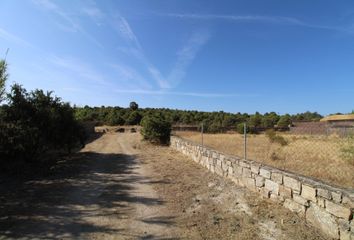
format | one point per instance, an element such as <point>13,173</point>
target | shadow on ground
<point>86,186</point>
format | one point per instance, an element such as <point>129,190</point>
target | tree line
<point>212,121</point>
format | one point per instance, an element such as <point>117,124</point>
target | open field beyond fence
<point>320,157</point>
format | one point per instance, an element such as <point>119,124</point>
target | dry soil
<point>118,187</point>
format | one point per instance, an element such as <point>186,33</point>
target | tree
<point>269,120</point>
<point>33,123</point>
<point>284,121</point>
<point>133,106</point>
<point>240,128</point>
<point>133,118</point>
<point>156,129</point>
<point>3,77</point>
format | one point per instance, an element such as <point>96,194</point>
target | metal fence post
<point>245,140</point>
<point>202,134</point>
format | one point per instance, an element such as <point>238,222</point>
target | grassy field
<point>319,157</point>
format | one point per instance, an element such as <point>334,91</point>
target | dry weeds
<point>314,156</point>
<point>208,206</point>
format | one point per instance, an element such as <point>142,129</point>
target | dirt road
<point>120,188</point>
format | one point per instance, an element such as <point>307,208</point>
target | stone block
<point>336,197</point>
<point>230,170</point>
<point>225,167</point>
<point>344,224</point>
<point>324,193</point>
<point>285,192</point>
<point>265,193</point>
<point>237,171</point>
<point>322,220</point>
<point>294,207</point>
<point>346,235</point>
<point>212,168</point>
<point>300,200</point>
<point>321,202</point>
<point>219,171</point>
<point>292,183</point>
<point>276,197</point>
<point>277,177</point>
<point>245,164</point>
<point>338,210</point>
<point>271,186</point>
<point>309,193</point>
<point>264,172</point>
<point>348,201</point>
<point>259,181</point>
<point>249,183</point>
<point>246,172</point>
<point>255,168</point>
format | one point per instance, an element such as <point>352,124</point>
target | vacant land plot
<point>120,188</point>
<point>314,156</point>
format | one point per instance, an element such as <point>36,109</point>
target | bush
<point>33,124</point>
<point>134,118</point>
<point>215,128</point>
<point>240,128</point>
<point>284,121</point>
<point>274,138</point>
<point>156,129</point>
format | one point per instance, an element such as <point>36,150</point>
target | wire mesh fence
<point>322,151</point>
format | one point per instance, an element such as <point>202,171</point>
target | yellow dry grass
<point>319,157</point>
<point>346,117</point>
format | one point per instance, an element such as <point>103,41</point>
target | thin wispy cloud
<point>124,29</point>
<point>176,93</point>
<point>129,75</point>
<point>79,68</point>
<point>273,19</point>
<point>257,18</point>
<point>136,50</point>
<point>14,38</point>
<point>94,13</point>
<point>64,20</point>
<point>186,56</point>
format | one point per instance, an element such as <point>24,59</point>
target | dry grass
<point>315,156</point>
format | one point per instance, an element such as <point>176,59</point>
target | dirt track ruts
<point>120,188</point>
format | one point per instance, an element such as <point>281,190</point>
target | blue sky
<point>247,56</point>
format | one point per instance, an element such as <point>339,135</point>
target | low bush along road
<point>118,187</point>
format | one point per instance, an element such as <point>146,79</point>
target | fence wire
<point>325,153</point>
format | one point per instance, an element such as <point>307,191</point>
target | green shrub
<point>284,121</point>
<point>215,128</point>
<point>34,123</point>
<point>240,128</point>
<point>156,129</point>
<point>133,118</point>
<point>274,138</point>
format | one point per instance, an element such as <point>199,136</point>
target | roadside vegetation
<point>156,129</point>
<point>34,124</point>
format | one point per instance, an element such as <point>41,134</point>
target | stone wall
<point>327,207</point>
